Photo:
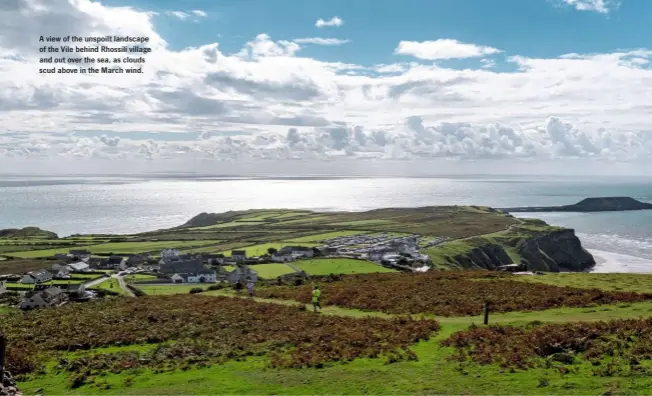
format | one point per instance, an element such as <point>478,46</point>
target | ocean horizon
<point>621,241</point>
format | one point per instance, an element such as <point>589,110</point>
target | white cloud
<point>333,22</point>
<point>321,41</point>
<point>178,14</point>
<point>601,6</point>
<point>200,13</point>
<point>443,49</point>
<point>266,101</point>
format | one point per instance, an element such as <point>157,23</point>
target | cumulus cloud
<point>266,101</point>
<point>321,41</point>
<point>200,13</point>
<point>443,49</point>
<point>333,22</point>
<point>601,6</point>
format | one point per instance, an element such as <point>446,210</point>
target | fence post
<point>486,312</point>
<point>3,348</point>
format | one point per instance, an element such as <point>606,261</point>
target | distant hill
<point>597,204</point>
<point>27,232</point>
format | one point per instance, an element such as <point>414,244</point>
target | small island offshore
<point>404,291</point>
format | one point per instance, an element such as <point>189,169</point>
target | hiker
<point>238,287</point>
<point>316,293</point>
<point>250,288</point>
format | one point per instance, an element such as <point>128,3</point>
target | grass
<point>139,278</point>
<point>640,283</point>
<point>120,248</point>
<point>326,266</point>
<point>327,235</point>
<point>433,373</point>
<point>110,284</point>
<point>271,271</point>
<point>21,266</point>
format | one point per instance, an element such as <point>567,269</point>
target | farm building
<point>44,298</point>
<point>182,267</point>
<point>297,251</point>
<point>34,277</point>
<point>212,259</point>
<point>116,262</point>
<point>97,263</point>
<point>239,256</point>
<point>242,274</point>
<point>76,289</point>
<point>205,276</point>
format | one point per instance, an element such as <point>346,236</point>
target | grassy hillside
<point>340,351</point>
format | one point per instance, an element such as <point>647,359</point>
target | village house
<point>136,260</point>
<point>297,251</point>
<point>62,273</point>
<point>116,262</point>
<point>76,290</point>
<point>97,263</point>
<point>205,276</point>
<point>242,274</point>
<point>35,277</point>
<point>43,298</point>
<point>182,267</point>
<point>213,259</point>
<point>169,254</point>
<point>79,267</point>
<point>239,256</point>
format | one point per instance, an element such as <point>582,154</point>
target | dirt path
<point>123,285</point>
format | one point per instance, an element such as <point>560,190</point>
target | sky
<point>335,87</point>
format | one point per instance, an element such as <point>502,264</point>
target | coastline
<point>609,262</point>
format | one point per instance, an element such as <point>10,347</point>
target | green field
<point>139,278</point>
<point>327,235</point>
<point>271,271</point>
<point>327,266</point>
<point>120,248</point>
<point>110,284</point>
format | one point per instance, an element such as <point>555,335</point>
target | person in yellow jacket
<point>316,294</point>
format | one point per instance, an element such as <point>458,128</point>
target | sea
<point>620,241</point>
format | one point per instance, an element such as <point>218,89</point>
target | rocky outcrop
<point>8,386</point>
<point>555,251</point>
<point>536,245</point>
<point>600,204</point>
<point>487,256</point>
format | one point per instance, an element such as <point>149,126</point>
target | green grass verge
<point>271,271</point>
<point>326,266</point>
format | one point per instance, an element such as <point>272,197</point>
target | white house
<point>79,267</point>
<point>201,277</point>
<point>62,272</point>
<point>39,276</point>
<point>282,258</point>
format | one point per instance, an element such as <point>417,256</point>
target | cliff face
<point>555,251</point>
<point>486,256</point>
<point>536,245</point>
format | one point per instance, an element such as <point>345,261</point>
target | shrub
<point>196,290</point>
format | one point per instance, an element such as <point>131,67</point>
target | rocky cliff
<point>536,245</point>
<point>8,386</point>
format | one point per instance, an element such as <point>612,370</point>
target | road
<point>120,279</point>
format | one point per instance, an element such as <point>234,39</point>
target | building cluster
<point>385,249</point>
<point>44,295</point>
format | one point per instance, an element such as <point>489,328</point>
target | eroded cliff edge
<point>533,243</point>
